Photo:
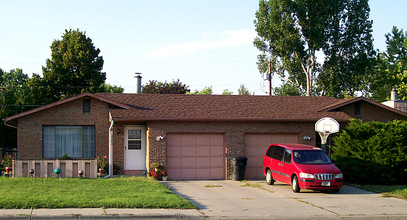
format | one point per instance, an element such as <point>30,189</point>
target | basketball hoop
<point>325,127</point>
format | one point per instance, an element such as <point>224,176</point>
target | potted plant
<point>101,164</point>
<point>158,171</point>
<point>7,163</point>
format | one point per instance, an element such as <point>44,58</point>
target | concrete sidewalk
<point>99,213</point>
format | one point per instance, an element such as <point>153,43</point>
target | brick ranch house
<point>194,136</point>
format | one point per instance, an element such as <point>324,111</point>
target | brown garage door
<point>255,147</point>
<point>195,156</point>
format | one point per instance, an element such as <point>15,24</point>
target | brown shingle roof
<point>144,107</point>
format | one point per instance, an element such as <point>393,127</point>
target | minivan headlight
<point>339,176</point>
<point>306,175</point>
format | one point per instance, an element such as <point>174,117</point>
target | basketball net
<point>324,136</point>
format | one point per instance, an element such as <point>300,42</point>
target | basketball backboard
<point>327,125</point>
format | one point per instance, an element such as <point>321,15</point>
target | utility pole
<point>269,76</point>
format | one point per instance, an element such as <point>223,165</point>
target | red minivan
<point>302,166</point>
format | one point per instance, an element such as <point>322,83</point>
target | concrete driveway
<point>256,199</point>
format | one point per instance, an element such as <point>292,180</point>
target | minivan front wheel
<point>295,185</point>
<point>269,178</point>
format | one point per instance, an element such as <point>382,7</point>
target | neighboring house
<point>194,136</point>
<point>395,102</point>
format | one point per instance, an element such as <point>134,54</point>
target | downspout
<point>110,151</point>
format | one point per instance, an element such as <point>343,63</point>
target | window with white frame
<point>73,141</point>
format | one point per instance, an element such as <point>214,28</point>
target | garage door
<point>195,156</point>
<point>255,147</point>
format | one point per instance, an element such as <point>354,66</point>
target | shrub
<point>373,152</point>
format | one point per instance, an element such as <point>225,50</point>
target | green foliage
<point>399,191</point>
<point>291,33</point>
<point>205,91</point>
<point>286,90</point>
<point>373,152</point>
<point>102,162</point>
<point>14,95</point>
<point>154,87</point>
<point>75,67</point>
<point>134,192</point>
<point>65,157</point>
<point>391,68</point>
<point>107,88</point>
<point>227,92</point>
<point>7,160</point>
<point>243,90</point>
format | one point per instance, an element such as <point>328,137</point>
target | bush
<point>373,152</point>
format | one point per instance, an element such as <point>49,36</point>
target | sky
<point>201,43</point>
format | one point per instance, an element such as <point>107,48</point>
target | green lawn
<point>130,192</point>
<point>399,191</point>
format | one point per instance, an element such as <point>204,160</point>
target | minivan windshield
<point>311,157</point>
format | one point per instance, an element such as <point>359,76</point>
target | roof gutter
<point>110,151</point>
<point>9,125</point>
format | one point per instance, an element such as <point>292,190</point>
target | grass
<point>212,186</point>
<point>249,184</point>
<point>130,192</point>
<point>399,191</point>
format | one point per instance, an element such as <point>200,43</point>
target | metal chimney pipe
<point>393,96</point>
<point>138,82</point>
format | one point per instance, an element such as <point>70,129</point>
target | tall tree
<point>75,66</point>
<point>292,33</point>
<point>349,53</point>
<point>155,87</point>
<point>391,68</point>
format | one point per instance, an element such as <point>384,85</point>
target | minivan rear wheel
<point>295,185</point>
<point>269,178</point>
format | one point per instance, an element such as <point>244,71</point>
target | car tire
<point>335,190</point>
<point>269,178</point>
<point>295,185</point>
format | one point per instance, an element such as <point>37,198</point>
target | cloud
<point>208,41</point>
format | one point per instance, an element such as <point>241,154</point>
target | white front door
<point>135,148</point>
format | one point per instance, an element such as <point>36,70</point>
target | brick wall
<point>370,112</point>
<point>29,135</point>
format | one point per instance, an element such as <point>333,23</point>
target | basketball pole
<point>324,138</point>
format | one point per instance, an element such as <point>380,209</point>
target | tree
<point>243,90</point>
<point>154,87</point>
<point>391,68</point>
<point>75,67</point>
<point>227,92</point>
<point>14,94</point>
<point>286,90</point>
<point>349,53</point>
<point>107,88</point>
<point>291,33</point>
<point>205,91</point>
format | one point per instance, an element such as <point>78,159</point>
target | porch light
<point>118,131</point>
